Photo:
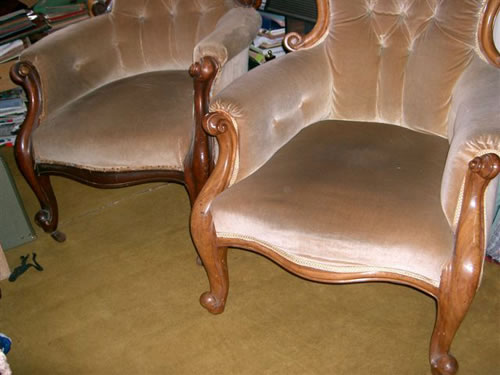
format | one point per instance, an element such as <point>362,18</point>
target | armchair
<point>363,156</point>
<point>111,100</point>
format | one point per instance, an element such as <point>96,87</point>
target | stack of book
<point>269,41</point>
<point>20,24</point>
<point>12,113</point>
<point>61,13</point>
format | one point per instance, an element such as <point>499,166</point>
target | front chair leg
<point>25,74</point>
<point>460,278</point>
<point>47,217</point>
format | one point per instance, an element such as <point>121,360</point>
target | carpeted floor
<point>121,296</point>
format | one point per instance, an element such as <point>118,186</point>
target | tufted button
<point>382,39</point>
<point>370,6</point>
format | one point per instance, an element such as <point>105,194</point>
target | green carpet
<point>121,296</point>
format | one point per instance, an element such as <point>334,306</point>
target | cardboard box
<point>4,267</point>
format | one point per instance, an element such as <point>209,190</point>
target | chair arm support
<point>474,130</point>
<point>299,85</point>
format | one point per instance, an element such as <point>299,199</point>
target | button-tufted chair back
<point>163,31</point>
<point>146,35</point>
<point>398,61</point>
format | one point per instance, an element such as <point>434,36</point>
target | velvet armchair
<point>112,102</point>
<point>367,154</point>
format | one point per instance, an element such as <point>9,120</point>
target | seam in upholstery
<point>141,35</point>
<point>322,266</point>
<point>115,43</point>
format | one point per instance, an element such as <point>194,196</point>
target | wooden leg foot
<point>215,264</point>
<point>444,365</point>
<point>212,303</point>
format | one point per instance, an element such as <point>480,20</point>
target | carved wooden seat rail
<point>368,159</point>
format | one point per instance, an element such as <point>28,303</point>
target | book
<point>11,50</point>
<point>13,15</point>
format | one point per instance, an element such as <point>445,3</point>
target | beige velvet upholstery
<point>129,124</point>
<point>334,196</point>
<point>116,90</point>
<point>360,205</point>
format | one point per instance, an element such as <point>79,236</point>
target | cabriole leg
<point>460,278</point>
<point>48,216</point>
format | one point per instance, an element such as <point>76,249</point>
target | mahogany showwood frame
<point>197,164</point>
<point>460,277</point>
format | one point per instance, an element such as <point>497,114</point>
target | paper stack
<point>12,113</point>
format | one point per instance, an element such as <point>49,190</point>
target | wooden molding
<point>295,41</point>
<point>327,276</point>
<point>485,34</point>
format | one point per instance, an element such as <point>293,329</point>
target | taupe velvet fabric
<point>140,122</point>
<point>348,195</point>
<point>87,61</point>
<point>274,102</point>
<point>412,64</point>
<point>474,129</point>
<point>398,61</point>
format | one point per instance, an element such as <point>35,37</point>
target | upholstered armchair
<point>365,155</point>
<point>112,102</point>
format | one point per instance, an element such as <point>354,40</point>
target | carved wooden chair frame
<point>197,165</point>
<point>460,279</point>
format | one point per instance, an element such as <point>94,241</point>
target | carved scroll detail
<point>486,43</point>
<point>294,41</point>
<point>216,123</point>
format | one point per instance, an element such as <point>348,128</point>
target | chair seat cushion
<point>137,123</point>
<point>347,197</point>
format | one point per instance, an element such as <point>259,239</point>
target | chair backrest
<point>163,33</point>
<point>398,61</point>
